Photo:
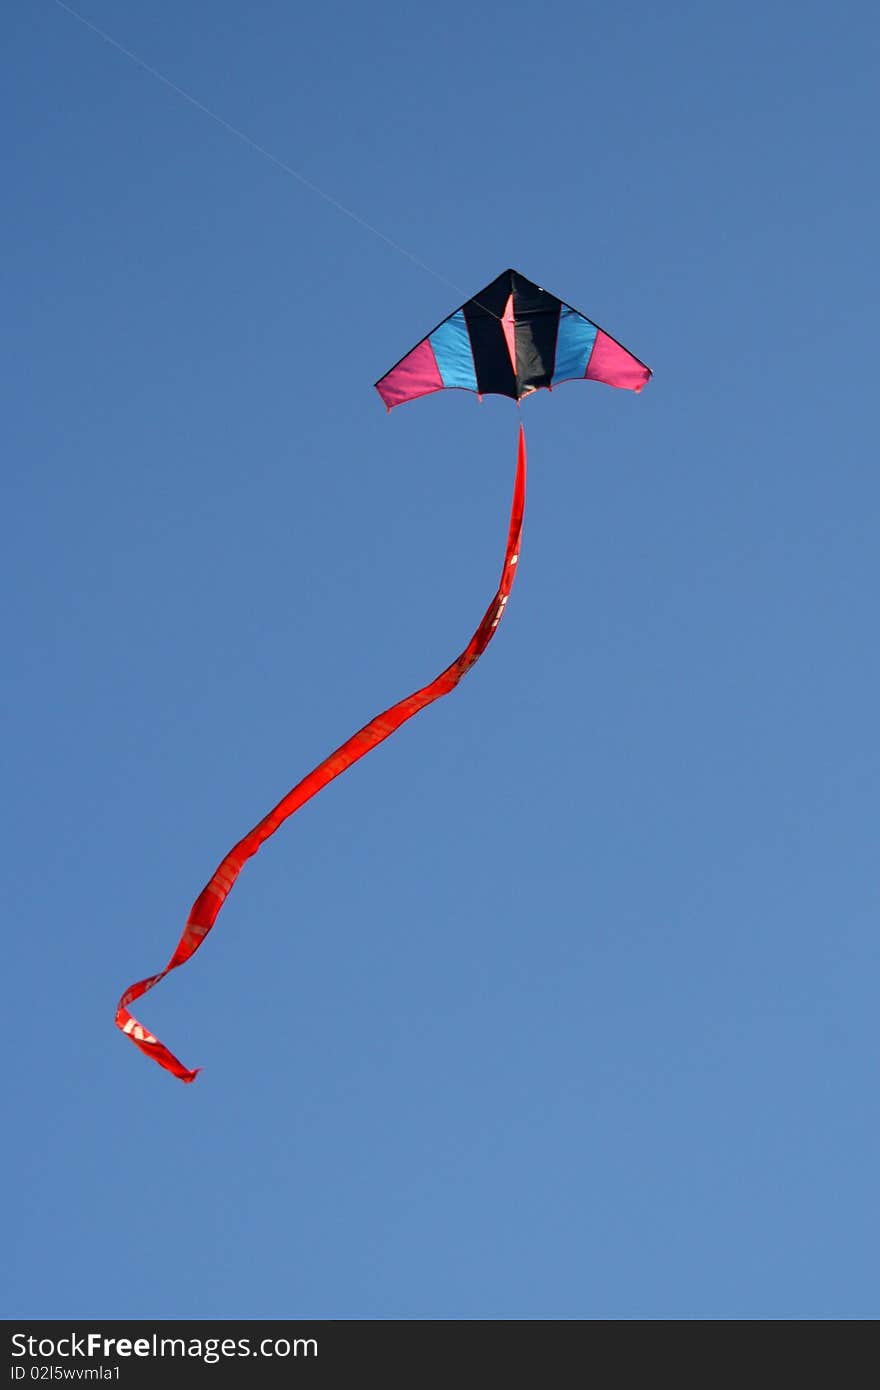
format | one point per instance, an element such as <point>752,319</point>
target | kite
<point>510,339</point>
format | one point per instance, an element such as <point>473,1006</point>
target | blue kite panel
<point>452,349</point>
<point>574,343</point>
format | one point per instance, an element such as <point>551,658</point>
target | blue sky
<point>563,1002</point>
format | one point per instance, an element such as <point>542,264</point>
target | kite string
<point>261,149</point>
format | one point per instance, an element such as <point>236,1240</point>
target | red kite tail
<point>207,905</point>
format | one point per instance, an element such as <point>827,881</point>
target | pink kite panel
<point>611,363</point>
<point>417,375</point>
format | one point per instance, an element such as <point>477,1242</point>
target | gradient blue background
<point>564,1002</point>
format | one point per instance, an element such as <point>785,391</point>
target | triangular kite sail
<point>509,340</point>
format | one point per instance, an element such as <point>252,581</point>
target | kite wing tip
<point>190,1076</point>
